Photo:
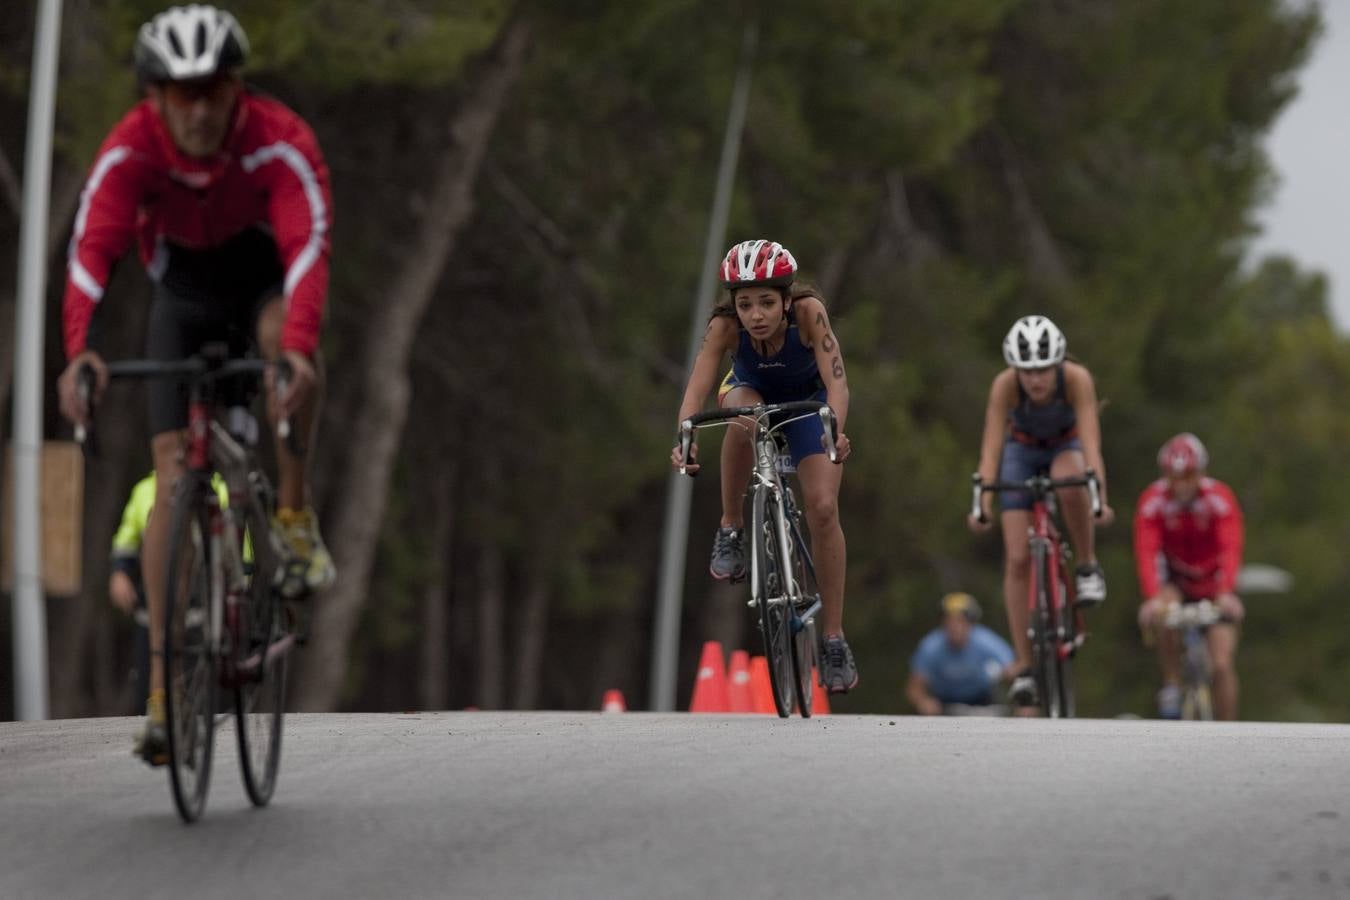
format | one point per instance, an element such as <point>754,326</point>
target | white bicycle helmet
<point>1034,342</point>
<point>185,42</point>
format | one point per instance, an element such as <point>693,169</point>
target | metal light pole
<point>30,619</point>
<point>666,639</point>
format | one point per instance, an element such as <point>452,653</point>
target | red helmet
<point>758,264</point>
<point>1183,455</point>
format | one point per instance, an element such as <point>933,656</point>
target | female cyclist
<point>1041,417</point>
<point>782,349</point>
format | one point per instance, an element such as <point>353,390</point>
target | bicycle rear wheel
<point>260,695</point>
<point>190,661</point>
<point>804,643</point>
<point>769,586</point>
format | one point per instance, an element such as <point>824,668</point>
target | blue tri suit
<point>791,374</point>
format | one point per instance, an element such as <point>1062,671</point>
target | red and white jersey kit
<point>269,175</point>
<point>1196,545</point>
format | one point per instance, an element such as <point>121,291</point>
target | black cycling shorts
<point>203,297</point>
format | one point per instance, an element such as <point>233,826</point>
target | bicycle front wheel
<point>1064,649</point>
<point>260,695</point>
<point>1043,643</point>
<point>190,662</point>
<point>769,586</point>
<point>804,644</point>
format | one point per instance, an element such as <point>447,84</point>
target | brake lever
<point>686,438</point>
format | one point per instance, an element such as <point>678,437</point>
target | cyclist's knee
<point>1222,650</point>
<point>822,512</point>
<point>167,450</point>
<point>270,322</point>
<point>1017,563</point>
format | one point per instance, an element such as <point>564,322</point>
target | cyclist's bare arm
<point>916,691</point>
<point>815,323</point>
<point>1082,394</point>
<point>718,340</point>
<point>1002,396</point>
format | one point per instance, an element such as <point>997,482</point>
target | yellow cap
<point>961,602</point>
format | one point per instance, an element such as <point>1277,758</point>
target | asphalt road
<point>559,805</point>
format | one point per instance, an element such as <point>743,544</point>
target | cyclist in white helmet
<point>226,193</point>
<point>1041,417</point>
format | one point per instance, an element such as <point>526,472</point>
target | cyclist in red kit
<point>226,194</point>
<point>1188,547</point>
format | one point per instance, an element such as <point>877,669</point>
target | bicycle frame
<point>788,613</point>
<point>1053,626</point>
<point>236,608</point>
<point>1191,622</point>
<point>1048,548</point>
<point>212,448</point>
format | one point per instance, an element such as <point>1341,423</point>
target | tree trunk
<point>491,604</point>
<point>530,648</point>
<point>375,426</point>
<point>724,619</point>
<point>436,602</point>
<point>1045,262</point>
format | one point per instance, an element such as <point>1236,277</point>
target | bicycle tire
<point>190,660</point>
<point>1197,703</point>
<point>804,642</point>
<point>1045,657</point>
<point>769,582</point>
<point>1064,649</point>
<point>260,704</point>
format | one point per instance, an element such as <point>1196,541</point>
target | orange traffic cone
<point>710,687</point>
<point>761,691</point>
<point>739,699</point>
<point>820,701</point>
<point>613,701</point>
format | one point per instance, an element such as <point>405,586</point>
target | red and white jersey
<point>1195,545</point>
<point>270,173</point>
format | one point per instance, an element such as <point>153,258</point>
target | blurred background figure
<point>126,585</point>
<point>1188,536</point>
<point>958,663</point>
<point>125,591</point>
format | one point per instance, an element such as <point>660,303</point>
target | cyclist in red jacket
<point>1188,547</point>
<point>227,195</point>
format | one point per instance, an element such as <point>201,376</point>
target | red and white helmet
<point>758,264</point>
<point>1183,455</point>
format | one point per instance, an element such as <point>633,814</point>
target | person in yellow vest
<point>126,590</point>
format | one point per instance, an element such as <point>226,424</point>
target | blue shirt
<point>967,675</point>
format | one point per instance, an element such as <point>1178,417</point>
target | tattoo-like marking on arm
<point>828,343</point>
<point>837,368</point>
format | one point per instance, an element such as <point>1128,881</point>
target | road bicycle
<point>1192,622</point>
<point>227,626</point>
<point>1056,627</point>
<point>783,588</point>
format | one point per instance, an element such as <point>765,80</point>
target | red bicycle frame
<point>1060,590</point>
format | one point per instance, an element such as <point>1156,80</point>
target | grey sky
<point>1310,148</point>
